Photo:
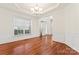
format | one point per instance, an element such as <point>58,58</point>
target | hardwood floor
<point>37,46</point>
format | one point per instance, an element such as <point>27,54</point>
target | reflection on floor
<point>36,46</point>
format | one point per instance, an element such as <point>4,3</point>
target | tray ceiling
<point>26,7</point>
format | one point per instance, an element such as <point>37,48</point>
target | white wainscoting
<point>59,37</point>
<point>72,40</point>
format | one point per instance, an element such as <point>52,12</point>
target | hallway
<point>37,46</point>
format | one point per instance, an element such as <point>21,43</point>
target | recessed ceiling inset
<point>37,8</point>
<point>30,8</point>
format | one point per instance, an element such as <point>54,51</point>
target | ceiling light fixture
<point>36,9</point>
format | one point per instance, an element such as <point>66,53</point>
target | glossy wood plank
<point>37,46</point>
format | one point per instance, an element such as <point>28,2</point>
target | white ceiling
<point>25,7</point>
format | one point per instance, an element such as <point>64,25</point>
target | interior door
<point>43,27</point>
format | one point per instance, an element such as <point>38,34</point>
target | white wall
<point>66,24</point>
<point>6,26</point>
<point>72,25</point>
<point>58,26</point>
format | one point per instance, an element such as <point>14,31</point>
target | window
<point>22,26</point>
